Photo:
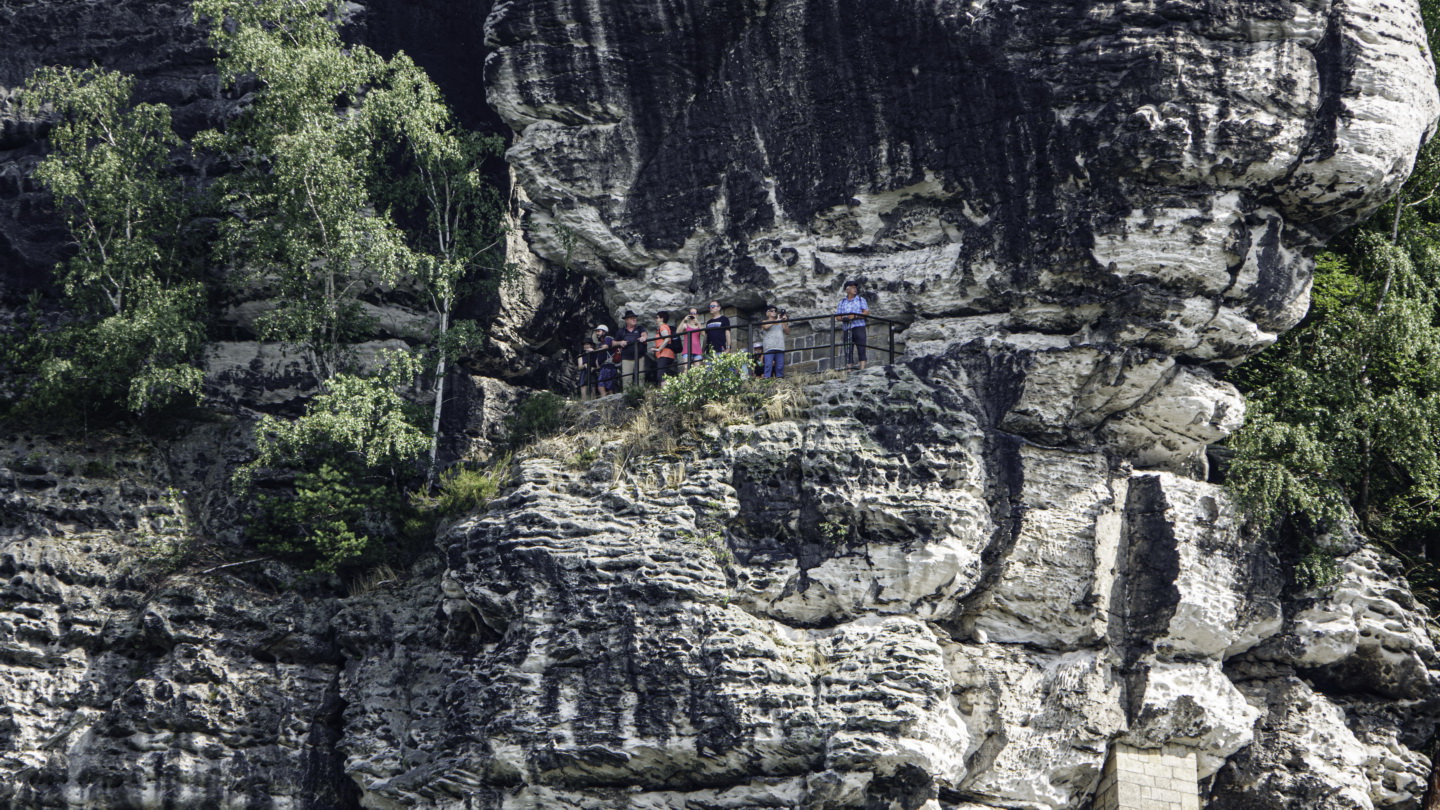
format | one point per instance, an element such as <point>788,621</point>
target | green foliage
<point>142,359</point>
<point>720,377</point>
<point>1343,423</point>
<point>568,242</point>
<point>330,520</point>
<point>164,538</point>
<point>131,282</point>
<point>833,532</point>
<point>464,490</point>
<point>305,152</point>
<point>353,176</point>
<point>345,180</point>
<point>634,394</point>
<point>1316,569</point>
<point>430,175</point>
<point>537,417</point>
<point>459,338</point>
<point>95,468</point>
<point>363,419</point>
<point>355,450</point>
<point>712,542</point>
<point>432,179</point>
<point>585,458</point>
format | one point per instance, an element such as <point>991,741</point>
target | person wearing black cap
<point>631,340</point>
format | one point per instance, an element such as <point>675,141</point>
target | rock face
<point>1152,174</point>
<point>955,582</point>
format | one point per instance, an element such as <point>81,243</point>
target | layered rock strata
<point>963,581</point>
<point>1149,174</point>
<point>1081,209</point>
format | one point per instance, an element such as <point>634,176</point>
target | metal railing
<point>578,379</point>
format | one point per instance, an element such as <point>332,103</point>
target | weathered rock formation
<point>956,582</point>
<point>1150,173</point>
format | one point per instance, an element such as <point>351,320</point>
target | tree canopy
<point>344,184</point>
<point>132,282</point>
<point>1342,429</point>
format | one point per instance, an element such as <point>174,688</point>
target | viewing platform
<point>817,344</point>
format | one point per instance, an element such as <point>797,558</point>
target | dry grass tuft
<point>786,399</point>
<point>625,436</point>
<point>373,580</point>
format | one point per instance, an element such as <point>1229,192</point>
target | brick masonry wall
<point>809,351</point>
<point>1148,779</point>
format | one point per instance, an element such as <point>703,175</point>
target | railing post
<point>833,326</point>
<point>890,330</point>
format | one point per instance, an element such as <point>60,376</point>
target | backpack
<point>677,344</point>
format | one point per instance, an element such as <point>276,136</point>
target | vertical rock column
<point>1149,779</point>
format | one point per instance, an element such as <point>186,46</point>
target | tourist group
<point>637,354</point>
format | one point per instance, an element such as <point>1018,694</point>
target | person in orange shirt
<point>664,351</point>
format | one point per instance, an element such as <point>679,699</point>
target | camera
<point>783,311</point>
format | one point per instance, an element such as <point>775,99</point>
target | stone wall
<point>1148,779</point>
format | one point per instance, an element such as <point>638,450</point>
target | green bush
<point>330,521</point>
<point>464,490</point>
<point>1342,425</point>
<point>354,452</point>
<point>1316,569</point>
<point>720,377</point>
<point>365,419</point>
<point>634,395</point>
<point>539,416</point>
<point>136,340</point>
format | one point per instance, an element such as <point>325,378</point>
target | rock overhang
<point>1163,171</point>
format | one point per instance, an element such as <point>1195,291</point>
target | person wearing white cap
<point>593,353</point>
<point>609,378</point>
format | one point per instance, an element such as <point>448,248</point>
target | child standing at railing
<point>589,364</point>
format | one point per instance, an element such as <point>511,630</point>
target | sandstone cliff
<point>957,582</point>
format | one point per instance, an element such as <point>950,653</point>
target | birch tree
<point>454,212</point>
<point>138,335</point>
<point>304,223</point>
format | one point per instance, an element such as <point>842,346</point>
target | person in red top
<point>664,354</point>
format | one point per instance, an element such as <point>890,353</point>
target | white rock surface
<point>952,583</point>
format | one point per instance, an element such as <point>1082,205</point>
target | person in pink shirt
<point>692,333</point>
